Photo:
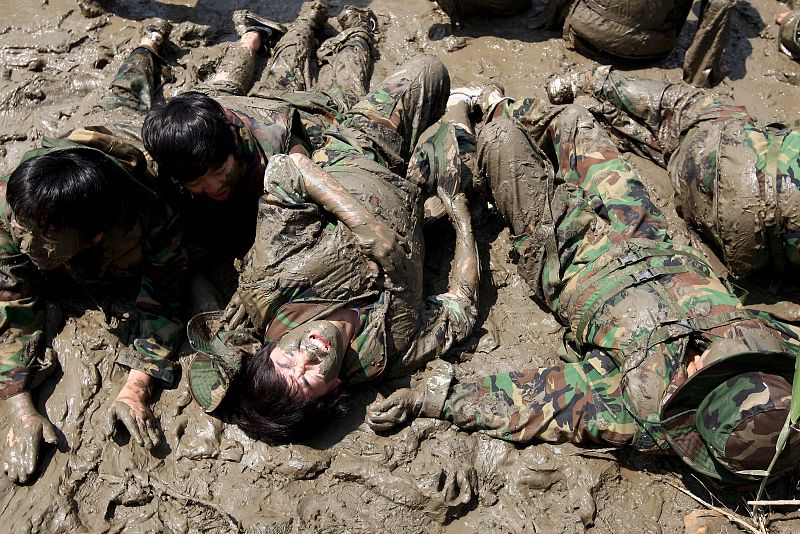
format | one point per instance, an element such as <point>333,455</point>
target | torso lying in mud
<point>336,295</point>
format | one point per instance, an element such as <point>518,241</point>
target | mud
<point>207,475</point>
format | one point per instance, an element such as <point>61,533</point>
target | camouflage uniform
<point>596,251</point>
<point>141,253</point>
<point>281,110</point>
<point>736,182</point>
<point>303,267</point>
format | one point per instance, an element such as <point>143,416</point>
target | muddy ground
<point>208,476</point>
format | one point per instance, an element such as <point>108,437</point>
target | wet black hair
<point>78,189</point>
<point>188,136</point>
<point>264,406</point>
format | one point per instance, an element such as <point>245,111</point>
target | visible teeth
<point>318,342</point>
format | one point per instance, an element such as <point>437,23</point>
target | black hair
<point>188,136</point>
<point>263,405</point>
<point>79,189</point>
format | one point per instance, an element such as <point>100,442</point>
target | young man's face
<point>217,184</point>
<point>310,357</point>
<point>47,250</point>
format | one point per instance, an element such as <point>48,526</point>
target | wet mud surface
<point>208,476</point>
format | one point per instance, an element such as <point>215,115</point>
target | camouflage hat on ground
<point>724,421</point>
<point>789,34</point>
<point>219,358</point>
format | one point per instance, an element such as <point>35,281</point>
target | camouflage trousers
<point>389,121</point>
<point>340,69</point>
<point>735,182</point>
<point>594,175</point>
<point>135,84</point>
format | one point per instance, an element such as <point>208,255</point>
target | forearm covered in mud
<point>160,303</point>
<point>448,318</point>
<point>21,317</point>
<point>464,276</point>
<point>569,402</point>
<point>328,193</point>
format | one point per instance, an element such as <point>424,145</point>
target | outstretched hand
<point>131,409</point>
<point>398,408</point>
<point>23,443</point>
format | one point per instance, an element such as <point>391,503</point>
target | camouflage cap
<point>724,421</point>
<point>218,358</point>
<point>789,34</point>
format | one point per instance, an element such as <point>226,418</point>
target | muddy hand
<point>235,313</point>
<point>131,409</point>
<point>395,410</point>
<point>137,418</point>
<point>23,443</point>
<point>381,243</point>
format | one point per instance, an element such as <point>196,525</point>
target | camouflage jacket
<point>141,253</point>
<point>304,265</point>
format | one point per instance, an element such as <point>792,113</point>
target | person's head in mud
<point>292,386</point>
<point>63,202</point>
<point>194,141</point>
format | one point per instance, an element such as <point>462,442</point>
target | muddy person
<point>736,182</point>
<point>625,31</point>
<point>333,284</point>
<point>216,143</point>
<point>83,216</point>
<point>664,356</point>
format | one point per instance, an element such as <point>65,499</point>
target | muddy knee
<point>518,172</point>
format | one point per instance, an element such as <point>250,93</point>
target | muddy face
<point>310,357</point>
<point>47,249</point>
<point>218,183</point>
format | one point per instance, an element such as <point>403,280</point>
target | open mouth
<point>222,194</point>
<point>316,340</point>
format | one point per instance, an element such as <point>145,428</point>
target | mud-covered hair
<point>266,408</point>
<point>187,136</point>
<point>79,189</point>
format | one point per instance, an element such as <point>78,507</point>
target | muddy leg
<point>702,64</point>
<point>520,176</point>
<point>589,159</point>
<point>293,65</point>
<point>135,84</point>
<point>669,110</point>
<point>348,58</point>
<point>347,74</point>
<point>402,107</point>
<point>235,74</point>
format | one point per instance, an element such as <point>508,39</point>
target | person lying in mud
<point>736,182</point>
<point>217,148</point>
<point>333,283</point>
<point>633,30</point>
<point>83,216</point>
<point>667,357</point>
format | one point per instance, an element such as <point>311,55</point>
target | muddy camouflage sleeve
<point>446,320</point>
<point>21,316</point>
<point>160,301</point>
<point>576,402</point>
